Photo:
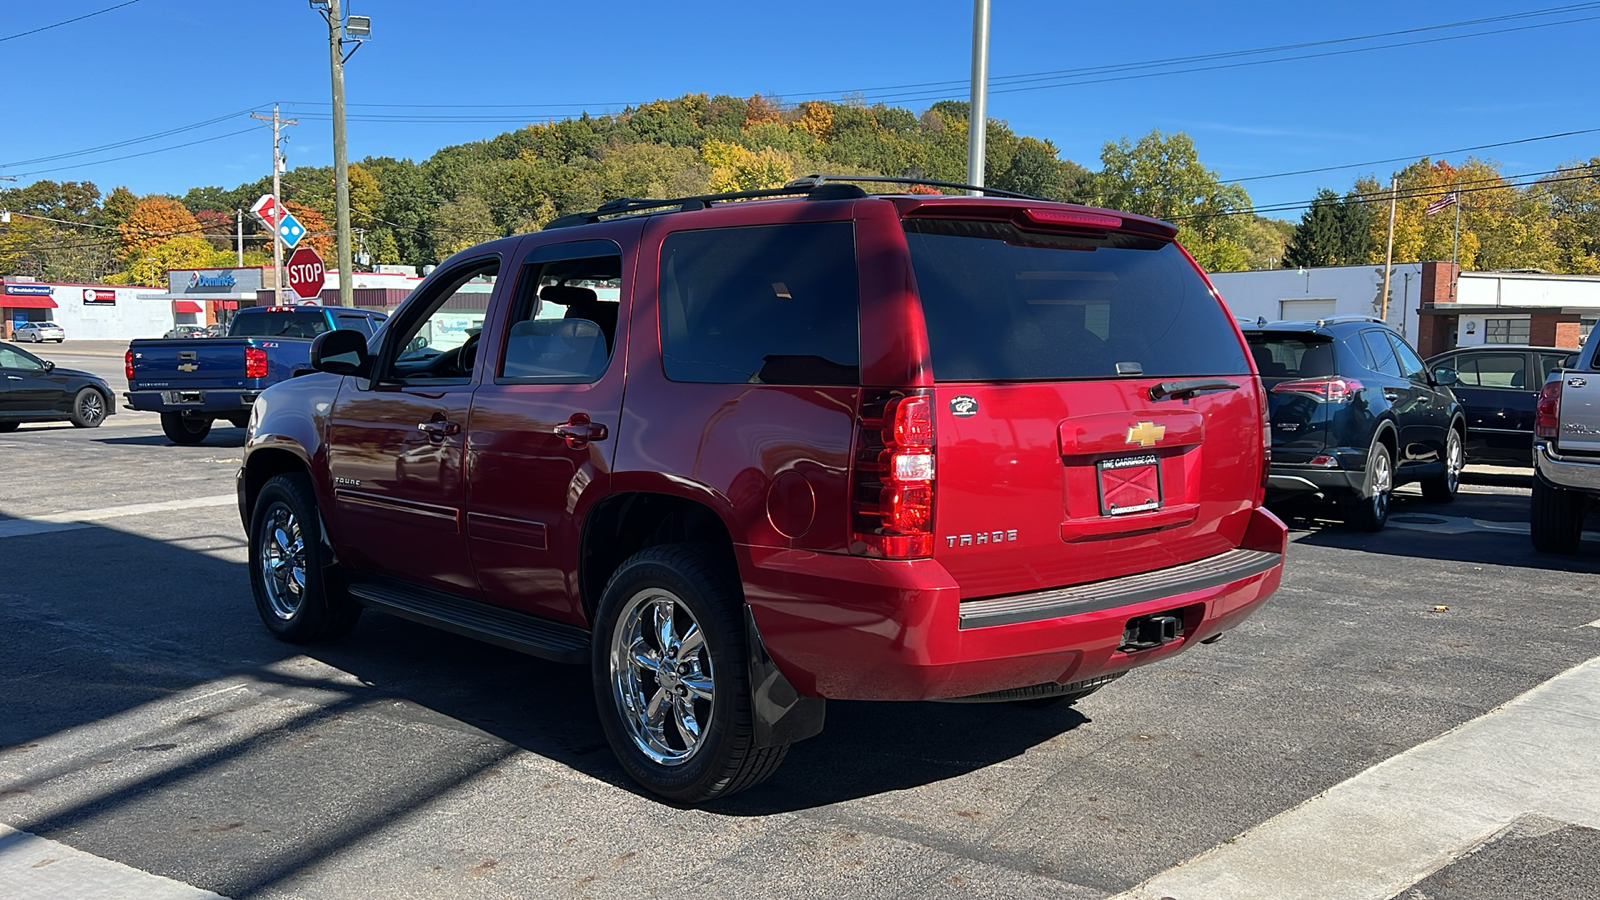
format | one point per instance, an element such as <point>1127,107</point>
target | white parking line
<point>1380,832</point>
<point>33,868</point>
<point>1594,624</point>
<point>83,518</point>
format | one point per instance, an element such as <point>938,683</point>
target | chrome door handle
<point>1390,394</point>
<point>579,431</point>
<point>438,431</point>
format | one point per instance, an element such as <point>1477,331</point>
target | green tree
<point>1161,176</point>
<point>1335,231</point>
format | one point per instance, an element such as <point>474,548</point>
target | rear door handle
<point>1391,394</point>
<point>579,430</point>
<point>438,431</point>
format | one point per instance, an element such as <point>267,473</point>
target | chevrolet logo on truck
<point>1145,434</point>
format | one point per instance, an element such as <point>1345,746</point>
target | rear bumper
<point>201,400</point>
<point>1287,478</point>
<point>870,629</point>
<point>1570,472</point>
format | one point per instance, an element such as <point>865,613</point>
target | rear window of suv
<point>1003,304</point>
<point>1292,356</point>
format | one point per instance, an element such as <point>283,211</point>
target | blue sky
<point>163,64</point>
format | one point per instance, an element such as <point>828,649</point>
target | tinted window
<point>771,304</point>
<point>1358,349</point>
<point>288,324</point>
<point>1549,362</point>
<point>1003,304</point>
<point>1490,370</point>
<point>14,359</point>
<point>1411,365</point>
<point>1382,353</point>
<point>1292,356</point>
<point>356,323</point>
<point>565,319</point>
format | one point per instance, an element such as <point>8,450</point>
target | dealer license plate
<point>1129,484</point>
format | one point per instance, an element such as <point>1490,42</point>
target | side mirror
<point>1444,376</point>
<point>49,366</point>
<point>417,343</point>
<point>342,352</point>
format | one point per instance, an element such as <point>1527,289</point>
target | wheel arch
<point>623,523</point>
<point>262,465</point>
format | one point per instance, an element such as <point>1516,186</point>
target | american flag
<point>1444,202</point>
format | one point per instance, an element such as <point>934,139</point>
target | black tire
<point>1368,508</point>
<point>1555,518</point>
<point>1442,488</point>
<point>299,597</point>
<point>88,408</point>
<point>695,584</point>
<point>185,430</point>
<point>1053,700</point>
<point>7,427</point>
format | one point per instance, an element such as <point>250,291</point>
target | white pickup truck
<point>1566,452</point>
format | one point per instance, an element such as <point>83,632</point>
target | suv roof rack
<point>813,187</point>
<point>1324,322</point>
<point>1339,320</point>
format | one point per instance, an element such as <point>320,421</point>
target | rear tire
<point>185,430</point>
<point>88,409</point>
<point>1555,518</point>
<point>8,427</point>
<point>1368,509</point>
<point>1442,488</point>
<point>670,670</point>
<point>298,596</point>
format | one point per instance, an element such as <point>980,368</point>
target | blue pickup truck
<point>193,382</point>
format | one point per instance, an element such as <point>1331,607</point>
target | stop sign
<point>305,273</point>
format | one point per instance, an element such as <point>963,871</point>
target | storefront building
<point>88,312</point>
<point>209,296</point>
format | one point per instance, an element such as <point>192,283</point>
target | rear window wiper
<point>1183,390</point>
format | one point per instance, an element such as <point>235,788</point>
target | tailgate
<point>192,363</point>
<point>1057,463</point>
<point>1046,485</point>
<point>1580,411</point>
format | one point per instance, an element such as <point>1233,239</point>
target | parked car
<point>1566,452</point>
<point>37,390</point>
<point>194,383</point>
<point>39,332</point>
<point>1498,386</point>
<point>216,329</point>
<point>872,447</point>
<point>185,331</point>
<point>1355,414</point>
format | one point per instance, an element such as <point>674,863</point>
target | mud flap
<point>780,714</point>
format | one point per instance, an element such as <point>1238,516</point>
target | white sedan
<point>39,332</point>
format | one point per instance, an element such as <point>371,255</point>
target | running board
<point>494,625</point>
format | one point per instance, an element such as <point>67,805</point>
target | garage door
<point>1306,310</point>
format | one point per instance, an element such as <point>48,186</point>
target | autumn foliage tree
<point>151,222</point>
<point>319,234</point>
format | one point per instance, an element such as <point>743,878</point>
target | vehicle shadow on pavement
<point>224,437</point>
<point>93,646</point>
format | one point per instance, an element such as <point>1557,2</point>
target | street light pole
<point>341,158</point>
<point>978,118</point>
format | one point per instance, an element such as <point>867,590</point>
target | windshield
<point>1003,304</point>
<point>289,324</point>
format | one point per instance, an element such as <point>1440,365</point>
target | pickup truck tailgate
<point>214,363</point>
<point>1580,411</point>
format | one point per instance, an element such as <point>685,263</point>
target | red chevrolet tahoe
<point>743,453</point>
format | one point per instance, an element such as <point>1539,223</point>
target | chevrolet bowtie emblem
<point>1145,434</point>
<point>190,367</point>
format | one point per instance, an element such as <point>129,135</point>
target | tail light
<point>127,365</point>
<point>1547,415</point>
<point>892,508</point>
<point>255,362</point>
<point>1333,389</point>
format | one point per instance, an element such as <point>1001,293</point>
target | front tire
<point>299,598</point>
<point>88,409</point>
<point>670,667</point>
<point>1442,488</point>
<point>1368,509</point>
<point>184,430</point>
<point>1555,518</point>
<point>7,427</point>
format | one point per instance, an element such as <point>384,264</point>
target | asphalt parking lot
<point>150,720</point>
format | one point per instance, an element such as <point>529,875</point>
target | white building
<point>88,312</point>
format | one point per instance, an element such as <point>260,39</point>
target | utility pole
<point>978,120</point>
<point>341,159</point>
<point>277,200</point>
<point>1388,254</point>
<point>238,222</point>
<point>1455,245</point>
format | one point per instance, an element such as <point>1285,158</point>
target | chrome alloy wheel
<point>283,561</point>
<point>661,676</point>
<point>1382,484</point>
<point>91,408</point>
<point>1455,459</point>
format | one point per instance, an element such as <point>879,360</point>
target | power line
<point>136,155</point>
<point>97,12</point>
<point>129,142</point>
<point>1377,162</point>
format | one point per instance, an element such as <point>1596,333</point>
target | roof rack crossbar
<point>816,186</point>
